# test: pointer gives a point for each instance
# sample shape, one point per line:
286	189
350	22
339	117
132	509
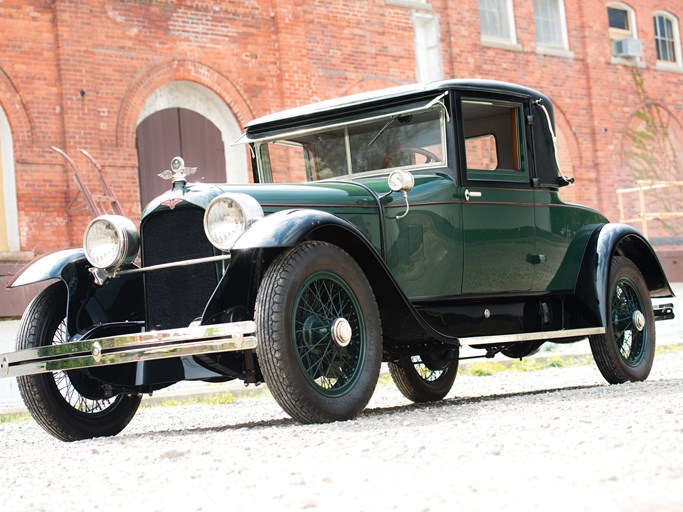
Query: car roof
348	104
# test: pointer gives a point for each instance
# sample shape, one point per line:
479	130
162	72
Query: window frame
499	176
510	18
263	157
564	44
428	58
617	34
678	62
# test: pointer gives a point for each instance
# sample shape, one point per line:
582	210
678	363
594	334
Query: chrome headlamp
111	241
228	216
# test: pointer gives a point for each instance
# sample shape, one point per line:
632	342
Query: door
497	198
178	132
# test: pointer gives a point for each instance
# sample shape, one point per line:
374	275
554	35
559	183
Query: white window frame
563	48
428	59
618	34
665	64
503	42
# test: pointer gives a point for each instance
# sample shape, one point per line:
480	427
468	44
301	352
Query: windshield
405	140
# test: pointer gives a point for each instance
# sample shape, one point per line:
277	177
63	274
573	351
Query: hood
330	196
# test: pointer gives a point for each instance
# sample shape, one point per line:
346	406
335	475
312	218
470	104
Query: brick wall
76	74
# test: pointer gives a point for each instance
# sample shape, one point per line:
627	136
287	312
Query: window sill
16	257
554	51
674	68
409	4
627	61
501	45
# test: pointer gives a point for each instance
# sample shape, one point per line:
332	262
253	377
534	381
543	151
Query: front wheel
69	405
320	339
627	349
425	378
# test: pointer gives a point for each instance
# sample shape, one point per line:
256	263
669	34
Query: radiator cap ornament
178	171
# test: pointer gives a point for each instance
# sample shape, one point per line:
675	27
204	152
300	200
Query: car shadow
372	412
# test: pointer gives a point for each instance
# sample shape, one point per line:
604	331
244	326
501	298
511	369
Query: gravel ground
556	439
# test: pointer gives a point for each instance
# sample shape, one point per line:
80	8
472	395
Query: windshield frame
260	146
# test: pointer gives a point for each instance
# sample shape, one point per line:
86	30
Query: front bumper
186	341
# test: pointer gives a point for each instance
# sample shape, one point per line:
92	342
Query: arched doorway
187	119
178	132
9	228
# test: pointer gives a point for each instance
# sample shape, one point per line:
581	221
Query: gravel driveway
556	439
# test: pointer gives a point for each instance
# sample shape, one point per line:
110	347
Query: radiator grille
176	296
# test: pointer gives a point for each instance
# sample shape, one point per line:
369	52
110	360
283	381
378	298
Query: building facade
134	82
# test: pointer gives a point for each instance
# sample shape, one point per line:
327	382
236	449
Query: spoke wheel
325	305
425	378
626	351
319	333
69	405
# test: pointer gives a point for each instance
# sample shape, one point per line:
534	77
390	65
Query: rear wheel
425	378
320	343
69	405
626	351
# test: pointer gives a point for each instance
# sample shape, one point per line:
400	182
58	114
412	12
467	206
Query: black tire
425	379
306	298
626	351
58	401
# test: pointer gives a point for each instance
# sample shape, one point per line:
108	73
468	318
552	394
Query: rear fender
611	240
88	305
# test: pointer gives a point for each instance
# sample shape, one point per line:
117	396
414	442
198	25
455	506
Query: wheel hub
638	320
341	332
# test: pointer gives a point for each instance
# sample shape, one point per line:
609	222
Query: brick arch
666	145
159	74
15	109
652	149
569	154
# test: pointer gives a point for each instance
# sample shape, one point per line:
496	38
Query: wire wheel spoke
423	371
67	389
324	298
625	303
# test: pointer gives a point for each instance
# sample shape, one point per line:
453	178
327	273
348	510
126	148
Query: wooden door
178	132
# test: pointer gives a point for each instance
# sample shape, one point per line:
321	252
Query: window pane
494	18
407	140
618	18
547	18
481	153
664	39
492	137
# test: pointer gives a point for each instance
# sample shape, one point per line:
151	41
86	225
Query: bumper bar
187	341
664	312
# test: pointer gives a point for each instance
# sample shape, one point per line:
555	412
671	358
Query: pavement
668	332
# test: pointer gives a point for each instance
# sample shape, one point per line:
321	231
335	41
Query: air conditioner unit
627	48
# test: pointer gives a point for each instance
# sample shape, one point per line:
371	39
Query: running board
532	336
187	341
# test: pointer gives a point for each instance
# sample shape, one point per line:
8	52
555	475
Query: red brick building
134	82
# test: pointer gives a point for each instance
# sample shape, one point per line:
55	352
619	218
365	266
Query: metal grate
176	296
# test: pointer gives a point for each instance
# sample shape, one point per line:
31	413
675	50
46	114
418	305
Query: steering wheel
431	157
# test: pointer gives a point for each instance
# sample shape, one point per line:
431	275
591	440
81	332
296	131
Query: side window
494	141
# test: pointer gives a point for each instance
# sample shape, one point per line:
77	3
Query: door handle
469	194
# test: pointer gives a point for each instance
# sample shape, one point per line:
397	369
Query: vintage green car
409	222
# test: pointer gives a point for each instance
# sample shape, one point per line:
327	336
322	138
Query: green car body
441	203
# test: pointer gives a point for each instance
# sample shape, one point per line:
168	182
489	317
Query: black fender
607	241
264	240
88	305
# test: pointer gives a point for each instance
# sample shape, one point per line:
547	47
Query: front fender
260	245
53	265
286	228
611	240
88	305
